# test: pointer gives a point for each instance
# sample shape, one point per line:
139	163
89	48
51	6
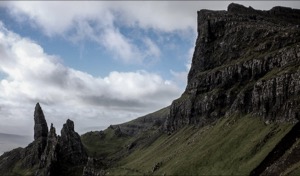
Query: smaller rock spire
40	124
52	131
71	147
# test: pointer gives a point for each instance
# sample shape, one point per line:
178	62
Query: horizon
96	63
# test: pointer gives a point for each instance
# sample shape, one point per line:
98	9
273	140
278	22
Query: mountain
239	114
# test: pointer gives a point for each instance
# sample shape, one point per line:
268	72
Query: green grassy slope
112	144
233	145
103	145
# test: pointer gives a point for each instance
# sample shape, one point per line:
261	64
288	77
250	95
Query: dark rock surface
92	168
49	160
48	154
9	159
71	148
40	124
275	163
245	61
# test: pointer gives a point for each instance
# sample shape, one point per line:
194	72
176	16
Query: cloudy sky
96	62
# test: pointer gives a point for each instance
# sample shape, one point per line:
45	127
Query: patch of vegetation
103	144
233	145
18	170
293	170
118	140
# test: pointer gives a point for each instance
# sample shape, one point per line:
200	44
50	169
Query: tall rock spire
40	124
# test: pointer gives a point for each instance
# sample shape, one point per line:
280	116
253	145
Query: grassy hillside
107	143
233	145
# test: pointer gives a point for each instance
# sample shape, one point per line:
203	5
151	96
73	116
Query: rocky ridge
245	61
48	154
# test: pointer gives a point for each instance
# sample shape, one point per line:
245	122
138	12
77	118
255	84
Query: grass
18	170
107	145
233	145
294	170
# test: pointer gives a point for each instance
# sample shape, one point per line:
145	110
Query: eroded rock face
71	148
245	61
49	160
92	169
9	159
48	154
40	124
31	155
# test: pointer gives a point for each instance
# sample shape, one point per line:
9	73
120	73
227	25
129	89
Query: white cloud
57	17
120	46
34	76
101	22
152	48
181	76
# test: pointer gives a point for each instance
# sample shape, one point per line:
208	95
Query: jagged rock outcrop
28	157
245	61
71	148
49	160
31	155
9	159
48	154
40	124
92	168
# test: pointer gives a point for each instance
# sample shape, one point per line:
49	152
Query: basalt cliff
239	114
245	61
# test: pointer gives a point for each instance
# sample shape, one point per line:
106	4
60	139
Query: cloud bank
31	76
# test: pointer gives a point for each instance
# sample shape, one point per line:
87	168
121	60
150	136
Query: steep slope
231	146
120	140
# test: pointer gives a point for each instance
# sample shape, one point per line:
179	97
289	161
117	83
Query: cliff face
245	61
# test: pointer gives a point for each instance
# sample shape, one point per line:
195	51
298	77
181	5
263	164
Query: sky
96	62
